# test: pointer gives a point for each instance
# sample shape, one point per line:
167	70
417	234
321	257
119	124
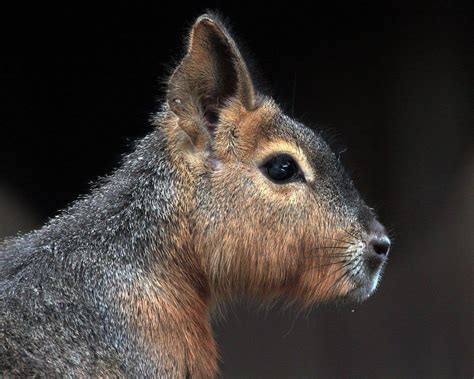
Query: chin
364	285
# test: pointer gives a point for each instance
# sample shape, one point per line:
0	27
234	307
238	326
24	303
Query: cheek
253	239
321	282
251	243
326	274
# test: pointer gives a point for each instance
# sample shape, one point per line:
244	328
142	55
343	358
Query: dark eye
281	169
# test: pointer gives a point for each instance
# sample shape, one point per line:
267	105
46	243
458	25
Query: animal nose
378	242
380	245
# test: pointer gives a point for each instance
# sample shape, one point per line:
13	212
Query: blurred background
390	84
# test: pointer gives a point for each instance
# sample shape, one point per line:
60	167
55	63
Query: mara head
273	214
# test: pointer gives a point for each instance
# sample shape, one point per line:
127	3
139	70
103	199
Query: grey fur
59	284
62	287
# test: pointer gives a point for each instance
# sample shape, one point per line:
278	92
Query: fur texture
123	282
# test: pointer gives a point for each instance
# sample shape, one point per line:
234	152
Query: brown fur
193	219
214	263
231	247
178	321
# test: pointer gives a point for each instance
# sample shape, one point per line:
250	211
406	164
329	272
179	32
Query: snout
375	246
378	245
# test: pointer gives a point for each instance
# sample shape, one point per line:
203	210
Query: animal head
273	212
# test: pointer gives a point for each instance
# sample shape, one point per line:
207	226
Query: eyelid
268	158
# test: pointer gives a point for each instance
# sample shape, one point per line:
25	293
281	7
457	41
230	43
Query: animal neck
169	312
132	239
167	302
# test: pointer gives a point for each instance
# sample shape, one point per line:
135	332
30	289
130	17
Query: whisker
330	255
353	272
360	266
337	240
345	263
340	279
322	253
326	264
331	247
294	96
350	234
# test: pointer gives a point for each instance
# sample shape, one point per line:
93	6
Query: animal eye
281	169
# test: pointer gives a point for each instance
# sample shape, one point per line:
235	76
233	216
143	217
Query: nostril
380	245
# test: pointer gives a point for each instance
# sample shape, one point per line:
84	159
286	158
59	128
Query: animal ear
212	73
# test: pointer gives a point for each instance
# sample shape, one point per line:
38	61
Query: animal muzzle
377	245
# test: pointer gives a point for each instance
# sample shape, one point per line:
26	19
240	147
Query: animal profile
227	197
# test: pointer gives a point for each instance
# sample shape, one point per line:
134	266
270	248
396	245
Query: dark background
391	83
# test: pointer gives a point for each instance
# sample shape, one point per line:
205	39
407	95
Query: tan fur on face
248	235
257	237
238	136
258	241
242	135
245	235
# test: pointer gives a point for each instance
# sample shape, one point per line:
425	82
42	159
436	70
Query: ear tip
211	16
205	18
210	20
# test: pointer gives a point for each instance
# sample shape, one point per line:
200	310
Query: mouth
370	256
367	279
358	272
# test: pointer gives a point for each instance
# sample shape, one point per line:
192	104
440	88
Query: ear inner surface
212	73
